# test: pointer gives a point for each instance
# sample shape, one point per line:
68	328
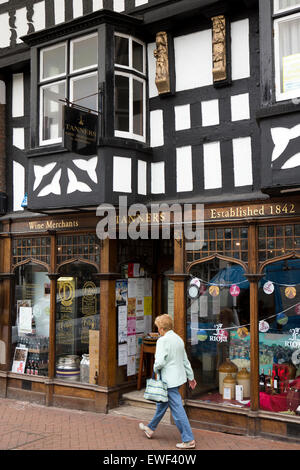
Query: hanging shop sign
80	131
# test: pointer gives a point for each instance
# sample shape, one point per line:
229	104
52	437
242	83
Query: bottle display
276	382
268	387
262	381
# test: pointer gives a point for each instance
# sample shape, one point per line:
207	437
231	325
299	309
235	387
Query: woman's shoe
186	445
146	430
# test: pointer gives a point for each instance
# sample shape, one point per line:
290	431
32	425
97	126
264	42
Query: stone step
134	405
142	414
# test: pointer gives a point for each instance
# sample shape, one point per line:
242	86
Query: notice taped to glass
80	131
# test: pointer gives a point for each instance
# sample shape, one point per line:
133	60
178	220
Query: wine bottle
269	382
262	381
276	382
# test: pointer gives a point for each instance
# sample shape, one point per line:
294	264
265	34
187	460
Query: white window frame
281	96
130	55
67	78
54	77
41	127
130	134
281	10
72	42
80	77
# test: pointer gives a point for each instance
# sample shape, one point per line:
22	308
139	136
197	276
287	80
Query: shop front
243	320
75	310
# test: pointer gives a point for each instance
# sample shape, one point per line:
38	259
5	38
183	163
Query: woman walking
175	369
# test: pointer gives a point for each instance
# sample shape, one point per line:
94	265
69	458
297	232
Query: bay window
287	48
130	88
67	70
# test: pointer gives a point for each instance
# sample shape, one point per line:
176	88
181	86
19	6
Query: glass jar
85	368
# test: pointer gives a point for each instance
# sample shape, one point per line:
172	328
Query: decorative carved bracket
161	53
219	48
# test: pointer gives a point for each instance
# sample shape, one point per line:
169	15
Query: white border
130	134
80	77
54	77
41	127
280	10
130	54
81	38
280	96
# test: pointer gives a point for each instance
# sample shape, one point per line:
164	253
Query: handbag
156	390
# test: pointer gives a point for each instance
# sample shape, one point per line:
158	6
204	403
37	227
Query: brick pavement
26	426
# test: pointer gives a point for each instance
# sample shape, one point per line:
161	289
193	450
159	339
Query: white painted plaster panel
182	117
152	70
242	161
18	186
77	8
158	178
142	177
119	5
97	5
240	52
193	60
184	169
240	108
19	138
138	3
21	23
212	165
122	175
156	128
39	16
5	30
210	113
59	11
18	95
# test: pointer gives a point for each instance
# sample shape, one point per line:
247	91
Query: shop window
35	248
31	315
275	241
77	323
218	332
85	246
279	337
67	70
130	88
287	49
227	241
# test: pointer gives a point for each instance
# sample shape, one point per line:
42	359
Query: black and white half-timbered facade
164	102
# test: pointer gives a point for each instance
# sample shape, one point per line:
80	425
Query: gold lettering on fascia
252	211
52	224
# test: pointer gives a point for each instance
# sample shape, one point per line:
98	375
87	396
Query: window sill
277	109
117	142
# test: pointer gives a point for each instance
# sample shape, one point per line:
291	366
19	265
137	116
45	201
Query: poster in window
19	361
291	72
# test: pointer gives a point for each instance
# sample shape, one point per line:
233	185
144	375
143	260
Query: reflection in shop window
279	337
30	330
77	323
218	333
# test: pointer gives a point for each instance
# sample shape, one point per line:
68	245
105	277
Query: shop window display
279	337
77	323
30	330
218	331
